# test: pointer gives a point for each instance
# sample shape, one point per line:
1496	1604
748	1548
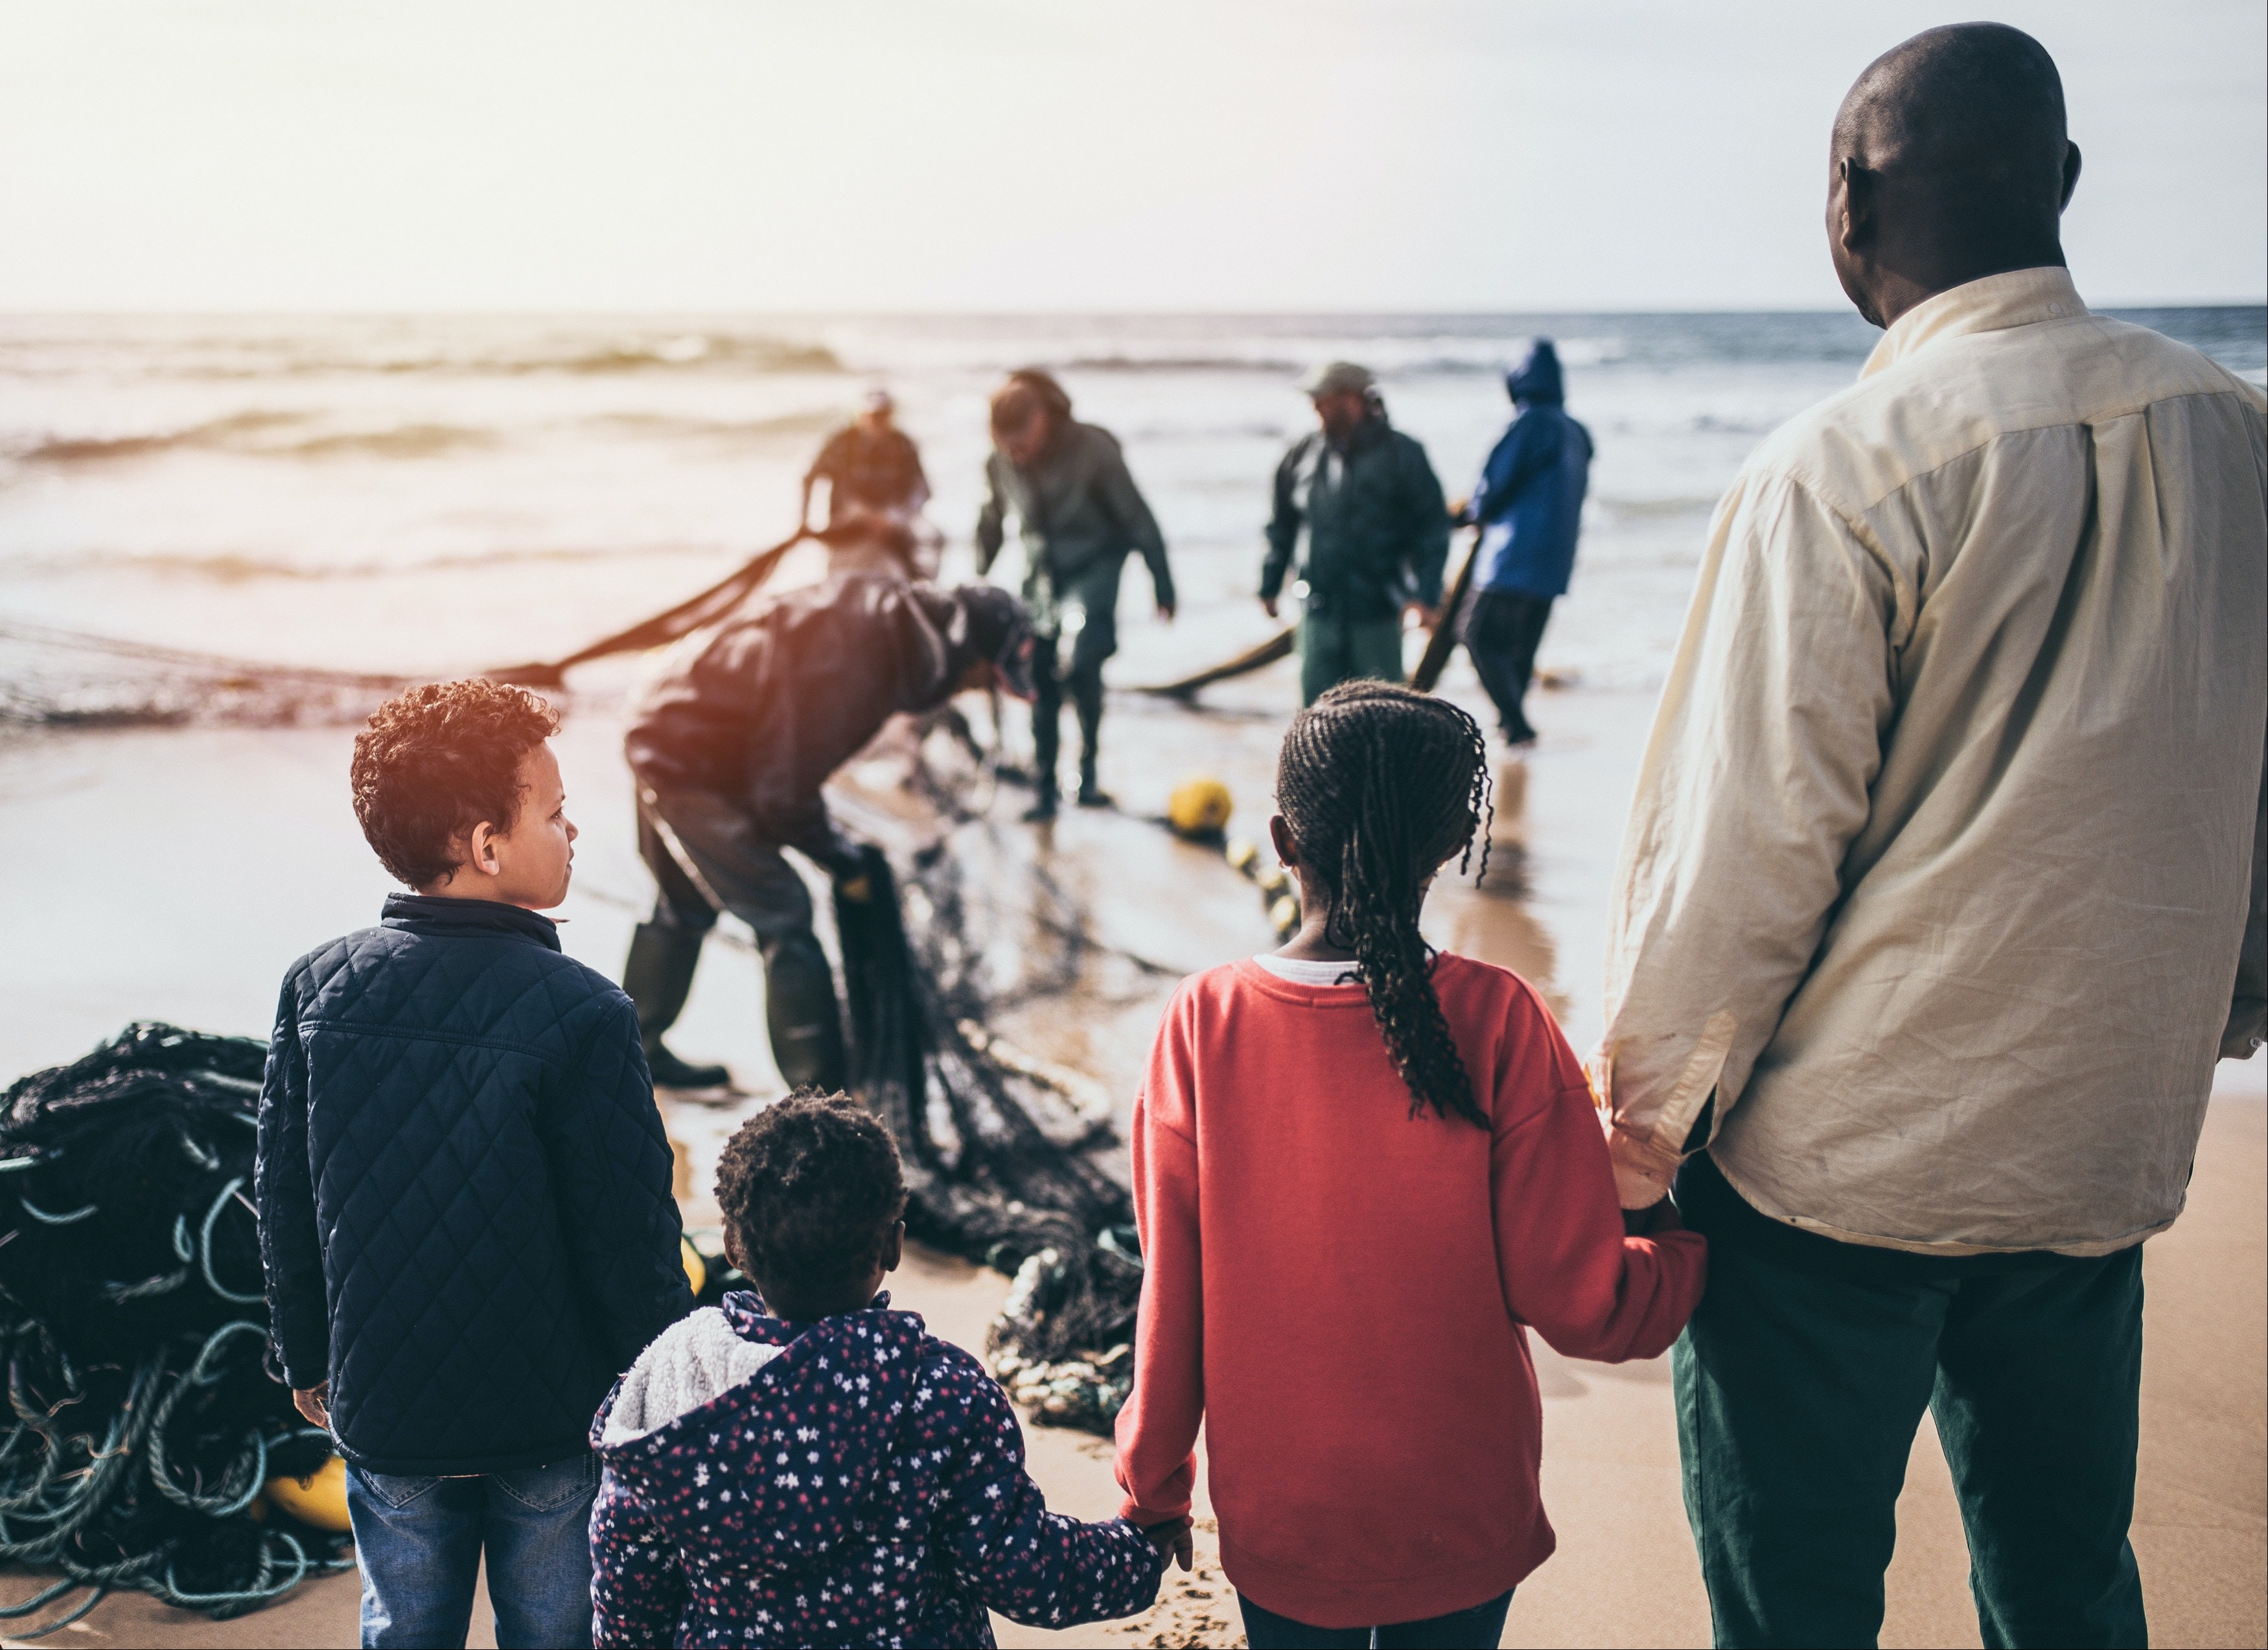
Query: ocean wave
684	351
218	432
1390	358
674	426
671	352
236	568
259	434
404	440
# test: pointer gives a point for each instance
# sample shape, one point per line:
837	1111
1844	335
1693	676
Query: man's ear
893	1247
2070	174
1854	199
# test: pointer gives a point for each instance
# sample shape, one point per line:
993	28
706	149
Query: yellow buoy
1199	806
697	1269
1284	913
1243	854
319	1499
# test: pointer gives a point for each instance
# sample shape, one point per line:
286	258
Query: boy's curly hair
435	761
810	1187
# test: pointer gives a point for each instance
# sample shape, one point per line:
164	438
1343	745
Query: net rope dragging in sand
143	1426
71	679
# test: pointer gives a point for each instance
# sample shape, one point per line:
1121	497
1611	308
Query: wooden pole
1443	639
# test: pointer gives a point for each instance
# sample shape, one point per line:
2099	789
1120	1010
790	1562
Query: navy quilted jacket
865	1486
464	1189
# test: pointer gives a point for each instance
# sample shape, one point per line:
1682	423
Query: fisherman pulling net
143	1426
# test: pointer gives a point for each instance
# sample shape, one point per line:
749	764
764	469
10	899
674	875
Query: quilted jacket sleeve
291	1247
1034	1566
638	1586
610	1159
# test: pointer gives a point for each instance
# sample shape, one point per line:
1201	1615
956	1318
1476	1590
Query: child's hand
314	1402
1172	1541
1660	1217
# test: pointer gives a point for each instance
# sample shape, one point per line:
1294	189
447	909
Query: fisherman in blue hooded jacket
1528	506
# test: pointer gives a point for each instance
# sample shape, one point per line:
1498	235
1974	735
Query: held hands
1172	1541
315	1403
1268	606
1660	1217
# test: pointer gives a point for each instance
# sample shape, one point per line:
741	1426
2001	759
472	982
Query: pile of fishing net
143	1426
993	1147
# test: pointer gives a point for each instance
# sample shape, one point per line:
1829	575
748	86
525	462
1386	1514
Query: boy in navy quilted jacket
827	1472
464	1187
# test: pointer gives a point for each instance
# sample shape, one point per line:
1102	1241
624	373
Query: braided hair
1381	784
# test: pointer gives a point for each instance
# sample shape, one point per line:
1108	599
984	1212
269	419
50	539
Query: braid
1381	784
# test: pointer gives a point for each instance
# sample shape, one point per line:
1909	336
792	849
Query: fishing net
986	1177
65	678
142	1424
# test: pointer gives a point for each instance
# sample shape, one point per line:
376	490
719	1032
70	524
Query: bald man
1943	888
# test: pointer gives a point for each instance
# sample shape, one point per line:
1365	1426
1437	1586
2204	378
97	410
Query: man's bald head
1950	162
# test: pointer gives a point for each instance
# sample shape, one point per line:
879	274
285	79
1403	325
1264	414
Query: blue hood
1536	378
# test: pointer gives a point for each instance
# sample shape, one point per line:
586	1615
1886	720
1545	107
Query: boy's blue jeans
419	1542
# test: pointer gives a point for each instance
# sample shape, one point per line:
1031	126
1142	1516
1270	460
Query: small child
1361	1169
464	1187
829	1473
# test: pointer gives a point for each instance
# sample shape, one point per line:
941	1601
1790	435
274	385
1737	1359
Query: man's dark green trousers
1801	1383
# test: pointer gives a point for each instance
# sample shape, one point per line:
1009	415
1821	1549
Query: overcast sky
1043	154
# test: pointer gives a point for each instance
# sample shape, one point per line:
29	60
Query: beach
398	497
197	921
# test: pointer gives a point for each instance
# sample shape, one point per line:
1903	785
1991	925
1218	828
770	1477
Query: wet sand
175	874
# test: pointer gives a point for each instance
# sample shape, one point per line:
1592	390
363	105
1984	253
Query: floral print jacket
865	1486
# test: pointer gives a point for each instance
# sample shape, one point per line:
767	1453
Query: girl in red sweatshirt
1363	1171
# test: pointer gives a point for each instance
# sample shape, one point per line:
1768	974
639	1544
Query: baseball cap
1338	378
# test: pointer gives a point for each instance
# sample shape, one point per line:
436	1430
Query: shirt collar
2018	297
432	914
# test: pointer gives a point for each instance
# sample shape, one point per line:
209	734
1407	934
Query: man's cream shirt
1942	845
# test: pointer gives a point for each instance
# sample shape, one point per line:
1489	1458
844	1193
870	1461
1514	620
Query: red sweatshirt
1338	1289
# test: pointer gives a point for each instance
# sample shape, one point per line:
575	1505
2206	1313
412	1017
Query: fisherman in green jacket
1077	513
1377	531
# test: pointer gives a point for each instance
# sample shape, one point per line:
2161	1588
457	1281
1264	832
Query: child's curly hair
435	761
810	1187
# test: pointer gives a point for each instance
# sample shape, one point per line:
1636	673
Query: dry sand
175	875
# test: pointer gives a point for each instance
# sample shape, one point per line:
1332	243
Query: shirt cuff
1642	1170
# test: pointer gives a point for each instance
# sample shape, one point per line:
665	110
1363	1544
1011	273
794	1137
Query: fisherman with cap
730	747
1078	514
1377	533
875	491
1528	506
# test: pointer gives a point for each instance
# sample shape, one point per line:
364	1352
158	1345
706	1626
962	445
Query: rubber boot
802	1015
658	976
1087	698
1047	709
